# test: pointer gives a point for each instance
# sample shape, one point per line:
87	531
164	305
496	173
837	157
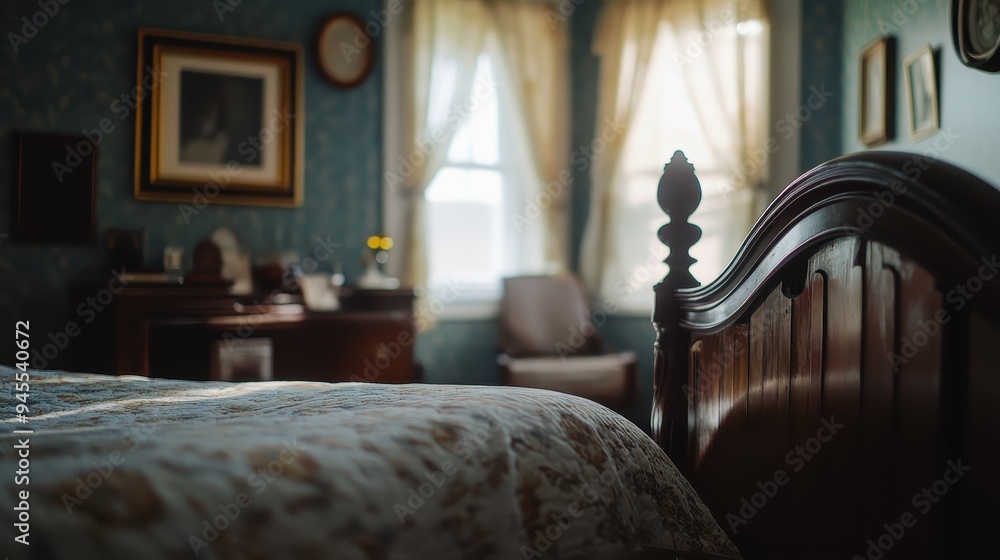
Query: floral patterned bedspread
138	468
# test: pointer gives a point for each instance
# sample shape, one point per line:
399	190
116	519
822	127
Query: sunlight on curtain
705	94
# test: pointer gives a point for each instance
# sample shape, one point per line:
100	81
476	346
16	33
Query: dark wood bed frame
835	393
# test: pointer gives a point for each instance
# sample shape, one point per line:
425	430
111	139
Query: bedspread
131	467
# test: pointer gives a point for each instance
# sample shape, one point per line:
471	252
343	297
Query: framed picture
922	93
54	179
877	92
345	53
218	120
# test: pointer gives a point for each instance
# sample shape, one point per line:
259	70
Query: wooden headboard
835	393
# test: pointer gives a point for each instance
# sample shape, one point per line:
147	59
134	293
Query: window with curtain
471	240
703	91
476	127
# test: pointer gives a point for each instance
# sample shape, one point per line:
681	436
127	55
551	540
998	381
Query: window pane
464	220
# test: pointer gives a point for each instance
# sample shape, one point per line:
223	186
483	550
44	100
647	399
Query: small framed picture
877	92
345	54
219	117
922	93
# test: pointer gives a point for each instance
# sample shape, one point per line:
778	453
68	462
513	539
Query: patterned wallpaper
67	77
969	121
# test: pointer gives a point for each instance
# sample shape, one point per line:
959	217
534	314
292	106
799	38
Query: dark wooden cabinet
169	331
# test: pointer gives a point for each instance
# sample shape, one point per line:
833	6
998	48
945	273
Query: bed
833	393
828	396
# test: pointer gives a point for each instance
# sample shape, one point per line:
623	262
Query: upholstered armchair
549	340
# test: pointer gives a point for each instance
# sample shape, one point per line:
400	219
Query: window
672	113
471	239
461	180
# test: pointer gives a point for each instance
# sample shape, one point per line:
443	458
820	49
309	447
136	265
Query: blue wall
822	55
66	79
967	96
584	70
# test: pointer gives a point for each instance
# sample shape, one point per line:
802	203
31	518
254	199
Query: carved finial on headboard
679	195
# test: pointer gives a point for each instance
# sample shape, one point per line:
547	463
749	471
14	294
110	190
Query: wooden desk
168	331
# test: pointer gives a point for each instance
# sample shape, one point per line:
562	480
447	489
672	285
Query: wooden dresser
169	331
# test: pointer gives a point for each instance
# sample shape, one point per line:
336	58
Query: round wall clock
346	53
975	26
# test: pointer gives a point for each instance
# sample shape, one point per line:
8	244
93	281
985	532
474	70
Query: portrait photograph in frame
219	116
877	92
922	93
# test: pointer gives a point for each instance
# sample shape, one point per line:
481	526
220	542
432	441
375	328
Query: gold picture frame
218	120
876	93
922	93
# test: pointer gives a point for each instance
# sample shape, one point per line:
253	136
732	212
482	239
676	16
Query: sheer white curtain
702	90
726	80
536	55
